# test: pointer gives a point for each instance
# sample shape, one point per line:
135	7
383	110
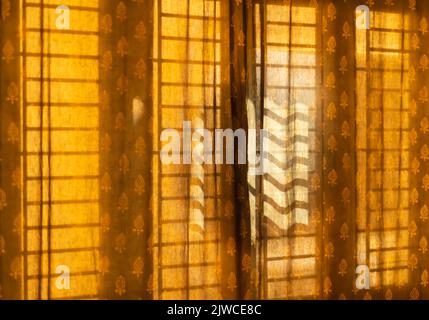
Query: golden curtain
10	186
82	184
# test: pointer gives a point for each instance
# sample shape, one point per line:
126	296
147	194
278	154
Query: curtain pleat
237	275
126	77
338	185
10	170
418	178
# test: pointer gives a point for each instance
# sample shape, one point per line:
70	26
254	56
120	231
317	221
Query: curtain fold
10	169
240	272
338	148
126	76
417	118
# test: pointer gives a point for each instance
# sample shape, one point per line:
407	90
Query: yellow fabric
60	149
82	184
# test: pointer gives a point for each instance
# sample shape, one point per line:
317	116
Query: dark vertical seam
251	82
260	178
243	175
383	151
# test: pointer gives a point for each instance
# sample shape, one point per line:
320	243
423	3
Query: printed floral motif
120	285
121	12
332	11
138	225
138	267
106	24
139	185
8	52
12	93
140	33
15	268
123	202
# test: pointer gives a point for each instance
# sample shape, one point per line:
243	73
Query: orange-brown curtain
171	231
126	140
342	104
83	187
10	181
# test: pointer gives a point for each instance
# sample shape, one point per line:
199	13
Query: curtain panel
10	168
90	210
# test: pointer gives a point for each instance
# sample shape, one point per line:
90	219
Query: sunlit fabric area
89	209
